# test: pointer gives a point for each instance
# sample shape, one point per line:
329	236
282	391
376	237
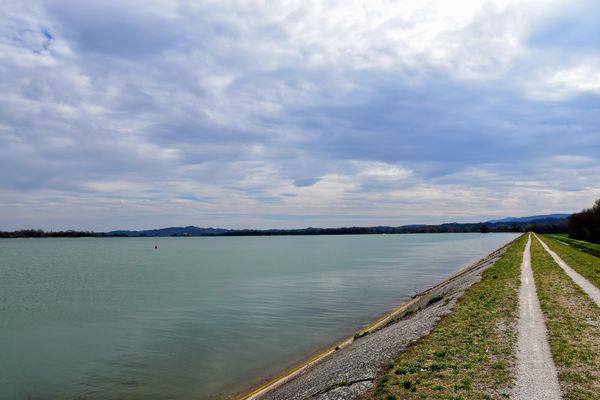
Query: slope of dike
351	368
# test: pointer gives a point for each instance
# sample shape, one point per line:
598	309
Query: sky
284	114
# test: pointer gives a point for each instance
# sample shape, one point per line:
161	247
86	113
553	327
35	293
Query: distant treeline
585	225
38	233
550	225
547	225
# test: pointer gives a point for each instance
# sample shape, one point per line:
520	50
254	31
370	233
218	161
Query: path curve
536	373
583	283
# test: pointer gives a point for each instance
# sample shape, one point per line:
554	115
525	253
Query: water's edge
414	305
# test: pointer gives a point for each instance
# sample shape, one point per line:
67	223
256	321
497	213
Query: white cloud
564	83
381	171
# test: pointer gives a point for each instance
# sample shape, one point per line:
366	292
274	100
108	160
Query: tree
585	225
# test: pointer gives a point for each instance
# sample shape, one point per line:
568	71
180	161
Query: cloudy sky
140	114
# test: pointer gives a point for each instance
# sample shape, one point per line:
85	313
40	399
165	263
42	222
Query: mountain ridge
529	219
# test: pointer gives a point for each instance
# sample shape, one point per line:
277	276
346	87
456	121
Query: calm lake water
198	318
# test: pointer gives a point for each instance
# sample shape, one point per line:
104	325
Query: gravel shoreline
350	371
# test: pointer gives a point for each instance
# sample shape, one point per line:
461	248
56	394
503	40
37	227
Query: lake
201	317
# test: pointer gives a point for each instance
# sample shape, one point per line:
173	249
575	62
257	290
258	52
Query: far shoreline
253	235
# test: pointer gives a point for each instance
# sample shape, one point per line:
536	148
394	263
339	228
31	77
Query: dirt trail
583	283
536	373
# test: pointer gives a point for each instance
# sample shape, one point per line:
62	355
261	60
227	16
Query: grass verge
471	353
586	247
573	324
586	264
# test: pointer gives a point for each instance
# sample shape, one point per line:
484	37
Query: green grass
586	247
586	264
573	324
471	353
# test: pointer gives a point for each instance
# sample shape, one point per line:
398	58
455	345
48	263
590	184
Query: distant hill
550	223
530	219
504	224
173	231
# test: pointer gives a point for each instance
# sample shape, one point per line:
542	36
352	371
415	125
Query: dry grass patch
573	324
471	353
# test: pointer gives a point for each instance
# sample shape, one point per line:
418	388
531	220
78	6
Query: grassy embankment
586	247
581	261
472	352
572	322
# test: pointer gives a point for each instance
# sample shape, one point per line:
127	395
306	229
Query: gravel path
536	373
583	283
352	370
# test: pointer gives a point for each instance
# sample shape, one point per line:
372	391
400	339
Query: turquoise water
198	318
